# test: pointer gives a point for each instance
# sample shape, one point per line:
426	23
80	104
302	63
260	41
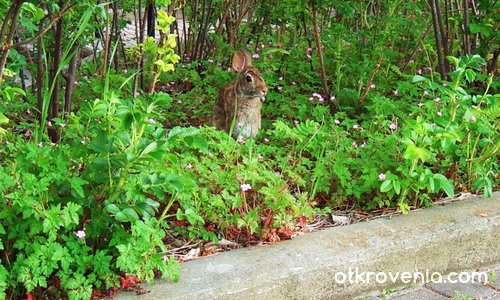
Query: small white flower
437	100
189	166
266	140
426	93
255	55
355	126
245	187
296	121
281	78
336	121
80	234
40	145
372	86
439	113
332	98
395	92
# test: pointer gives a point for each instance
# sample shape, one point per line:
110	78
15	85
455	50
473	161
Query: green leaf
3	119
445	184
386	186
419	78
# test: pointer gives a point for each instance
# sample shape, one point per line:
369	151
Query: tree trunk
12	15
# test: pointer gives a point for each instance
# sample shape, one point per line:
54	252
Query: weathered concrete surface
462	235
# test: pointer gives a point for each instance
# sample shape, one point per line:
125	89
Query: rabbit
241	100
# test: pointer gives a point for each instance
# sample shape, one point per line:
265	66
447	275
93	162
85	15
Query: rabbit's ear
241	59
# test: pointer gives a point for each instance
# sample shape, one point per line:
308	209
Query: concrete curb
463	235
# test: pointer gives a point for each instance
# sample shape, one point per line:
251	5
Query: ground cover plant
108	160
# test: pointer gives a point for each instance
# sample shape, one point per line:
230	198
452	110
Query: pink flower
355	126
393	126
419	72
296	121
271	56
255	55
49	123
308	56
336	121
437	100
372	86
189	166
266	140
80	234
381	176
395	92
309	49
245	187
420	104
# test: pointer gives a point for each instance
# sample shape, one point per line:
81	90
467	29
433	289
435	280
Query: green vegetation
106	151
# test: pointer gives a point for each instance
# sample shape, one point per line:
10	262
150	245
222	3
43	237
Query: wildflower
210	60
420	105
381	176
266	140
280	88
281	78
309	49
439	113
294	83
437	100
363	145
152	121
395	92
179	101
80	234
426	93
355	126
419	72
245	187
255	55
62	125
311	98
189	166
355	145
296	121
473	119
411	61
308	56
336	121
372	86
28	111
229	69
40	145
393	126
332	98
271	56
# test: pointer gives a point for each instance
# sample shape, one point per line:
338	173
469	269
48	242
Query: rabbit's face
251	84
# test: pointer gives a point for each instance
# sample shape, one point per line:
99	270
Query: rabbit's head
250	83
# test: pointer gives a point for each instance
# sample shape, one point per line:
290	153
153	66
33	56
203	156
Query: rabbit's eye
249	78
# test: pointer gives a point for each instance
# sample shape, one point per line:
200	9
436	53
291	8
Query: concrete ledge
459	236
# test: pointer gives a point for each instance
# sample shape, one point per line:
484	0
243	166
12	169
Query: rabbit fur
241	100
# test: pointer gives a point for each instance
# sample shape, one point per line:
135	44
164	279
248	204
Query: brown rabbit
241	98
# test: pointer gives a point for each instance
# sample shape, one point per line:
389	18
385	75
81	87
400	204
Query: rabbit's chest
248	117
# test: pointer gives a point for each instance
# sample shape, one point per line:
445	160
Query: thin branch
42	31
